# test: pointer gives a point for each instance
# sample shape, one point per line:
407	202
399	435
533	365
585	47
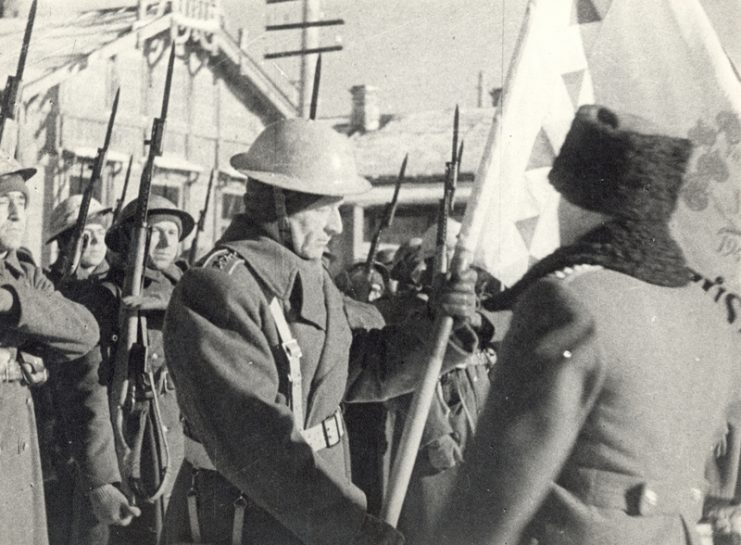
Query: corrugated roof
427	137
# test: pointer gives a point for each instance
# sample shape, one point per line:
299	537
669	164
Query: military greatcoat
610	394
224	351
85	406
45	324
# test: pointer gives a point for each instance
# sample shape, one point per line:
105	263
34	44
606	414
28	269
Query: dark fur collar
643	250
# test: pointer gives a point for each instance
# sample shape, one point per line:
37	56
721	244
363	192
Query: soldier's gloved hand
143	303
726	523
376	532
456	296
110	506
444	452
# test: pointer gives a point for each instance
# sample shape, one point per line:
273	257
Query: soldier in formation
104	501
40	327
259	343
617	372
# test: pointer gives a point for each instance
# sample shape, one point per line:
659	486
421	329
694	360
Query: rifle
78	243
120	202
13	84
134	391
446	204
388	218
201	220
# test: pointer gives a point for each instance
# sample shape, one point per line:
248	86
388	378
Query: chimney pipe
366	112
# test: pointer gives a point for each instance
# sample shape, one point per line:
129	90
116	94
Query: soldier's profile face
313	227
95	250
164	244
13	218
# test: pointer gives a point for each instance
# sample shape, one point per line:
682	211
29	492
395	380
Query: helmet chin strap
284	229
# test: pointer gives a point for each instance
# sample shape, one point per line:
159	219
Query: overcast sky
421	54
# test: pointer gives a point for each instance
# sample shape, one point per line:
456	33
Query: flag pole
473	223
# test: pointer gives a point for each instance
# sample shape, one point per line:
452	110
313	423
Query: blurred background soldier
454	414
87	408
93	259
614	379
37	322
57	462
357	283
260	344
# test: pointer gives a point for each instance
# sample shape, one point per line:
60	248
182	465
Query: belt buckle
292	349
332	430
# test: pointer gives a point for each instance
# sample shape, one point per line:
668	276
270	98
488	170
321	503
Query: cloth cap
620	165
64	216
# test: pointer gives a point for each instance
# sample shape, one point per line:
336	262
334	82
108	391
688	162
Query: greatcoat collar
285	274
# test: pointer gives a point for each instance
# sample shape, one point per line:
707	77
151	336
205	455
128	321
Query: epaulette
223	259
569	273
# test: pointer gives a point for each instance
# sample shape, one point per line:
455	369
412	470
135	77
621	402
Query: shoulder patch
569	273
223	259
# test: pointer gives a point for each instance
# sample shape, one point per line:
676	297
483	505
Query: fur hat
620	165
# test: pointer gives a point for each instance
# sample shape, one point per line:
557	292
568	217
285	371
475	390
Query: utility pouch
33	369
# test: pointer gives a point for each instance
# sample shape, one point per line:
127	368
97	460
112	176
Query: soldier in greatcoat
86	406
57	462
260	347
39	326
617	371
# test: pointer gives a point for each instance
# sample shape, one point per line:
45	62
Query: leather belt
325	434
635	495
10	369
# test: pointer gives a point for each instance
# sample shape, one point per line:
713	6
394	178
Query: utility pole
311	11
480	92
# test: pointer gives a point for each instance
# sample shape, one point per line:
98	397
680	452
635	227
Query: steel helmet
64	216
157	205
9	166
304	156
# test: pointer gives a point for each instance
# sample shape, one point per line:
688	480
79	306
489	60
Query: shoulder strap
292	351
228	260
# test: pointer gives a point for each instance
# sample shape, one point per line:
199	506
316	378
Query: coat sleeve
83	404
550	374
82	388
227	384
389	362
47	323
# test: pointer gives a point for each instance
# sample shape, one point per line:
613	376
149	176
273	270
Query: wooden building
380	142
221	99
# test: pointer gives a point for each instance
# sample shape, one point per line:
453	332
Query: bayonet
73	254
12	86
446	204
120	202
201	220
388	217
315	88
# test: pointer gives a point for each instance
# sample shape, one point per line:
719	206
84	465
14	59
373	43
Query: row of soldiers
614	379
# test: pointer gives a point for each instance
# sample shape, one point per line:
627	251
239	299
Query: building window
231	203
171	192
